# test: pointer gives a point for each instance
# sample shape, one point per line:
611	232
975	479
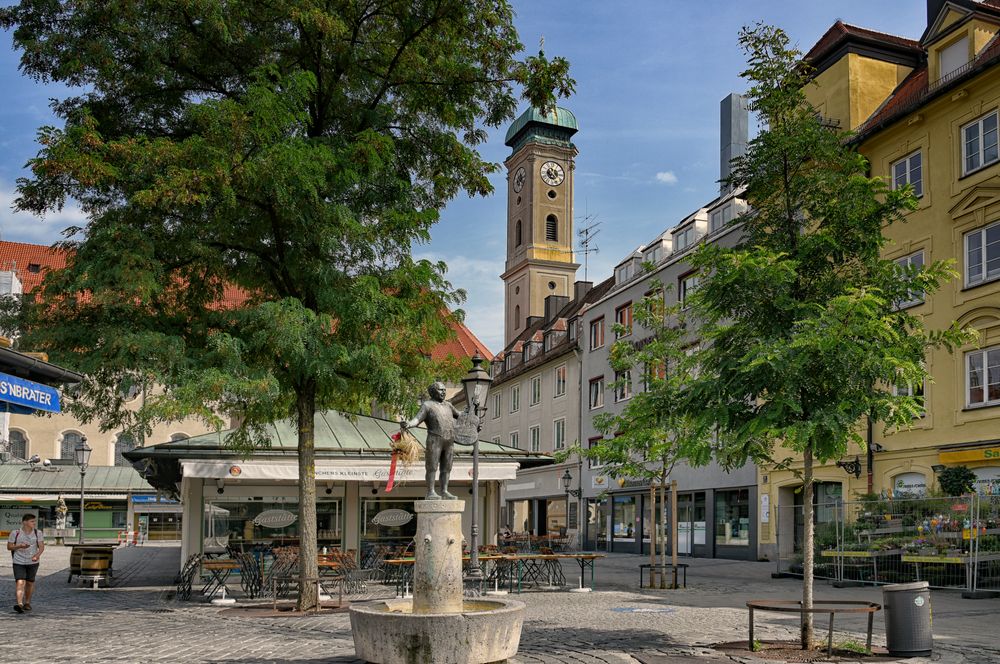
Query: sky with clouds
650	75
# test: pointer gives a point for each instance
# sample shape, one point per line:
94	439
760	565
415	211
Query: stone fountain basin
388	632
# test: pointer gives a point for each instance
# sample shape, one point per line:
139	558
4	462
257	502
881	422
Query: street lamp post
567	481
82	451
477	385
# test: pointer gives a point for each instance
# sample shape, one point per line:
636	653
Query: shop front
537	504
235	502
983	459
36	489
710	523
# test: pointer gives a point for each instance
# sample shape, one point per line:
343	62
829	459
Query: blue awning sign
28	394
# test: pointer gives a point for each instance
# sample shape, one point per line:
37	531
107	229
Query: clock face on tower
552	174
519	177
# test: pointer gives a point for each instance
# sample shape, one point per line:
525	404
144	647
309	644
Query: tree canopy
255	176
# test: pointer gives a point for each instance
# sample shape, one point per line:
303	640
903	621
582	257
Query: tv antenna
587	234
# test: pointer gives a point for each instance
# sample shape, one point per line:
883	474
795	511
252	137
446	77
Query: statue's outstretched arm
419	419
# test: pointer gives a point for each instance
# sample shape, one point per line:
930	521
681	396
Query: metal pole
83	473
474	570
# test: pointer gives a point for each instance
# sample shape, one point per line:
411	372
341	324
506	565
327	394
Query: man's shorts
25	572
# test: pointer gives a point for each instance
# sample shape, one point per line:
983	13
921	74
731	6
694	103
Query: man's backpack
17	533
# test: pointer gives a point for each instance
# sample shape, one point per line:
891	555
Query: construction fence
950	542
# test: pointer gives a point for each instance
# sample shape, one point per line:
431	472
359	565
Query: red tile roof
31	261
840	32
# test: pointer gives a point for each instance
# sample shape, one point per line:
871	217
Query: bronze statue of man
440	417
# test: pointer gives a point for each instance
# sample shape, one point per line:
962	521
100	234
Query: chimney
734	135
580	289
532	320
553	304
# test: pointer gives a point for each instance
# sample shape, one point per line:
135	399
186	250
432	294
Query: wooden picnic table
219	570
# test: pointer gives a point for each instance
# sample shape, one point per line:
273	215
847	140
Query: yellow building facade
925	113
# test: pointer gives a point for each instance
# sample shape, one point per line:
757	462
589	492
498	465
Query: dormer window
34	268
624	272
654	255
683	238
953	57
720	217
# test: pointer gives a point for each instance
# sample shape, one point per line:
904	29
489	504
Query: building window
715	221
683	239
559	433
551	228
982	255
513	439
720	218
732	517
596	392
515	398
591	444
910	390
983	377
979	143
653	372
654	255
535	436
686	287
496	406
909	171
496	440
517	316
624	272
124	442
560	386
913	261
952	58
67	448
623	317
18	444
597	333
623	385
517	233
536	391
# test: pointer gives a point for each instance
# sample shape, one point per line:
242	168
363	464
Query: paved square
137	620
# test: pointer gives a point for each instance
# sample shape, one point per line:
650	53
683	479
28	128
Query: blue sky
650	75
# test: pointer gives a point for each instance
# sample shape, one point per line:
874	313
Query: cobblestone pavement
137	620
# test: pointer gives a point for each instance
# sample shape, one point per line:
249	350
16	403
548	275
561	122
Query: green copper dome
558	125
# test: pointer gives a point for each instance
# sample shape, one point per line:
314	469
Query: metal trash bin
908	619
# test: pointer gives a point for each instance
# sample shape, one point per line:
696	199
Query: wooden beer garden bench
830	607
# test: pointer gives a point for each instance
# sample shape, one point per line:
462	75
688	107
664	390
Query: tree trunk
808	531
673	533
652	535
308	569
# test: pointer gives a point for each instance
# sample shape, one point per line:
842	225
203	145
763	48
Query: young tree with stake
804	338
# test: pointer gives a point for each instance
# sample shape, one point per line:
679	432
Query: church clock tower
539	215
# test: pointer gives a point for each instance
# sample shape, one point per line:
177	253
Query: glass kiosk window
234	522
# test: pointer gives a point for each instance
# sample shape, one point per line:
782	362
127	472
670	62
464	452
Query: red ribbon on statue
392	464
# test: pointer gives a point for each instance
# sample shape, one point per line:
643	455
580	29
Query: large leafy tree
655	430
803	334
255	175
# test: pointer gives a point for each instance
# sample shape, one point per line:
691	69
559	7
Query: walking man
26	546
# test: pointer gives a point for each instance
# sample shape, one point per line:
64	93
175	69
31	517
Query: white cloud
24	227
666	177
484	308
